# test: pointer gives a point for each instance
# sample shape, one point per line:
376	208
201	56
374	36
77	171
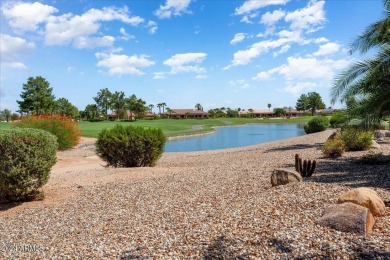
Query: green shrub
27	156
338	119
64	128
130	146
356	139
333	148
316	124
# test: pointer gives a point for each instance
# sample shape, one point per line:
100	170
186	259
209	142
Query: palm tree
250	112
198	106
370	78
269	106
163	106
170	111
151	106
159	105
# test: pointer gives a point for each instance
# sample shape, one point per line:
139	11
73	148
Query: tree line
37	98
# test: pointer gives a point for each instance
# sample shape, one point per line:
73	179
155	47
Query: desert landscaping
214	204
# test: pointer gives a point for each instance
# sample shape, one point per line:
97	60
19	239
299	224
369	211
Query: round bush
316	124
333	147
356	139
64	128
338	120
27	158
130	146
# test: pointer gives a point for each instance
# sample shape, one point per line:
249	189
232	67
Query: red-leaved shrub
64	128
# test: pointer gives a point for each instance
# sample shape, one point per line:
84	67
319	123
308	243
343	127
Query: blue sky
220	53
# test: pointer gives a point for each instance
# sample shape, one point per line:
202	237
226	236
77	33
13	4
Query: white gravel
201	205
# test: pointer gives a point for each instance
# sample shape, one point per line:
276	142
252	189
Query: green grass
4	125
175	127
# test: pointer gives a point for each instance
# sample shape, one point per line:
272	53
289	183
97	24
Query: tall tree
131	103
64	107
302	103
369	79
91	111
159	105
163	106
140	108
118	102
198	106
103	101
6	114
314	102
37	96
151	106
269	106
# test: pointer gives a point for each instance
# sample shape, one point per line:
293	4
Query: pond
236	136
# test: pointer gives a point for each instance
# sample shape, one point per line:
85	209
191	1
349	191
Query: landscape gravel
199	205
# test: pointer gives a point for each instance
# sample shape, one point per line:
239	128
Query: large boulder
348	217
283	176
365	197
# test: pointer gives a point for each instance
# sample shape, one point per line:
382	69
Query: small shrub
338	119
356	139
334	147
27	158
130	146
316	124
64	128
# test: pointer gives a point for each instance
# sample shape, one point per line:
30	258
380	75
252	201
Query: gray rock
375	145
283	176
348	217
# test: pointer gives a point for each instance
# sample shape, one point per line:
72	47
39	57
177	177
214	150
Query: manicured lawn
174	127
4	125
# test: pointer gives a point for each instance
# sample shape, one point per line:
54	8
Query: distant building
186	113
129	115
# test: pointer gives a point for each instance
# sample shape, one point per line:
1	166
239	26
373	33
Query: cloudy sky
220	53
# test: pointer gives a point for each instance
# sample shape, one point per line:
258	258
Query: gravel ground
199	205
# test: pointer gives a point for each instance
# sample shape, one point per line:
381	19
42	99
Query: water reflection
236	136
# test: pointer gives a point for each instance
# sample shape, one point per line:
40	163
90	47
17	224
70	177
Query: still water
236	136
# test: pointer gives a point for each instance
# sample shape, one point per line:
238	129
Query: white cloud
282	50
15	65
321	40
172	7
11	48
93	42
245	19
238	37
311	68
201	76
327	48
304	20
303	73
152	26
240	83
270	19
79	29
125	36
264	75
299	88
243	57
27	16
186	62
253	5
307	18
122	64
159	75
